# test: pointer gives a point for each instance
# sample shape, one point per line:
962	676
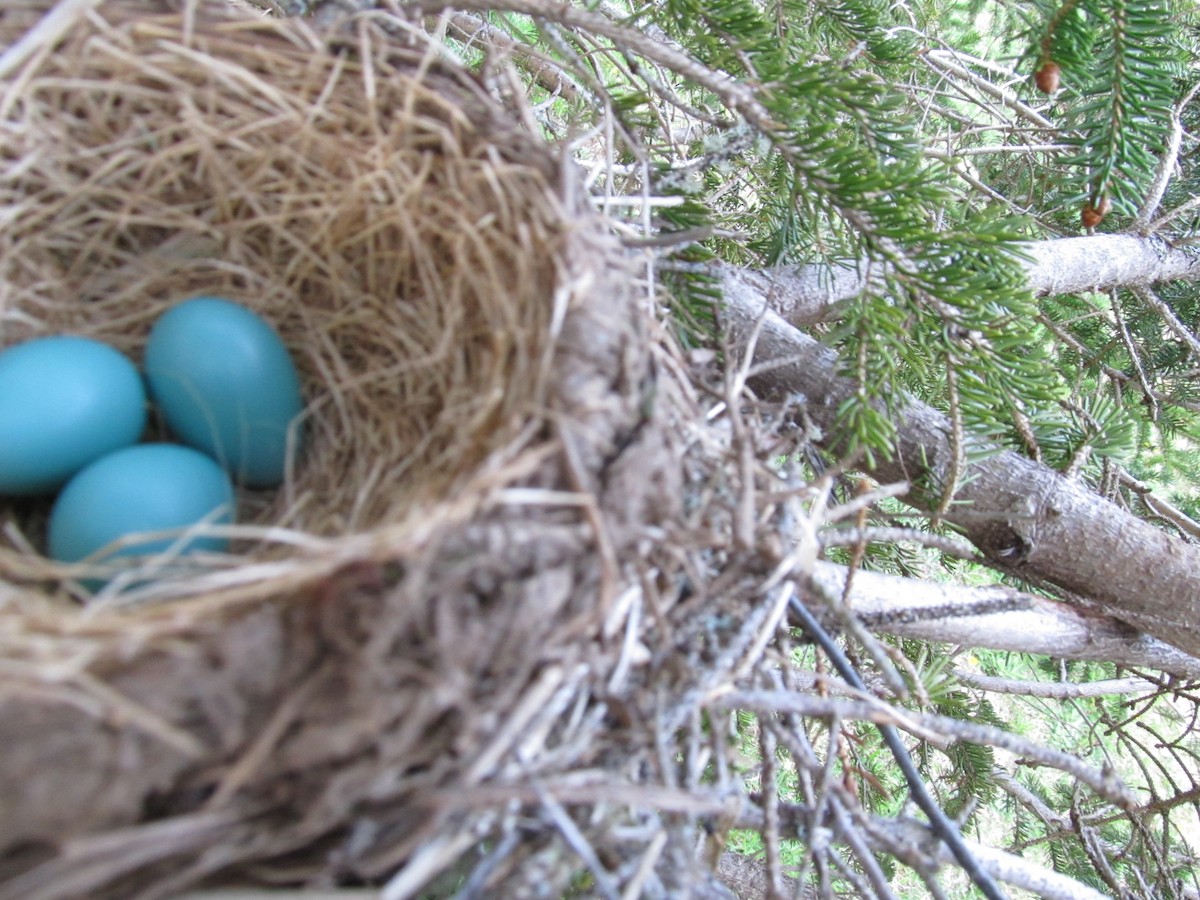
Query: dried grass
407	259
425	601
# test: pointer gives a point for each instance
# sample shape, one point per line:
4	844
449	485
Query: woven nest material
396	618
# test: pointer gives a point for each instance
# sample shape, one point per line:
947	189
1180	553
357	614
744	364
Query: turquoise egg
64	402
225	384
143	488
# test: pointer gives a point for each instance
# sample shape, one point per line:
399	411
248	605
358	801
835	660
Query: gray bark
886	834
998	618
1023	517
805	295
1020	873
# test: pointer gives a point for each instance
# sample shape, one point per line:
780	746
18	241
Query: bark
1103	261
1025	874
805	295
1057	690
747	877
1022	516
886	835
998	618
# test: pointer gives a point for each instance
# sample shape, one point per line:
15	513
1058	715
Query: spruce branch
940	729
999	618
1127	109
807	295
1056	690
952	64
1017	512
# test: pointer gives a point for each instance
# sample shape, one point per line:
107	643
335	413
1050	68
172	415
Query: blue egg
64	402
143	488
226	385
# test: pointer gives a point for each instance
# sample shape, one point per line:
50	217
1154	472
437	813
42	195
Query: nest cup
478	447
407	249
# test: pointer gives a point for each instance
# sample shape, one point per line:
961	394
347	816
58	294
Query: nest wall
480	457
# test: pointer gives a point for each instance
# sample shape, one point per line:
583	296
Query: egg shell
64	402
143	488
225	384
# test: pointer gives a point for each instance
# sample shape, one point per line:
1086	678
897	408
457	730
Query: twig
1172	321
1166	167
947	62
1168	217
865	499
849	537
770	807
604	882
942	825
544	70
734	94
1055	690
935	728
1158	505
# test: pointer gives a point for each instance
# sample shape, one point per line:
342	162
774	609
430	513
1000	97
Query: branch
805	295
937	729
947	62
998	618
1056	690
1024	517
1101	262
544	72
1007	867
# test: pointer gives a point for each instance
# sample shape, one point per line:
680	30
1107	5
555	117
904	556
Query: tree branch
936	728
1024	517
998	618
949	62
1056	690
806	295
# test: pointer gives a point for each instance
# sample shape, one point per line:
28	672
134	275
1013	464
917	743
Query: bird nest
485	446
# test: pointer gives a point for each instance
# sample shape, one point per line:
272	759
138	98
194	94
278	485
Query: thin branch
942	825
958	168
1135	357
1166	167
1170	216
1156	303
1055	690
946	729
1011	148
1000	618
947	62
849	537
